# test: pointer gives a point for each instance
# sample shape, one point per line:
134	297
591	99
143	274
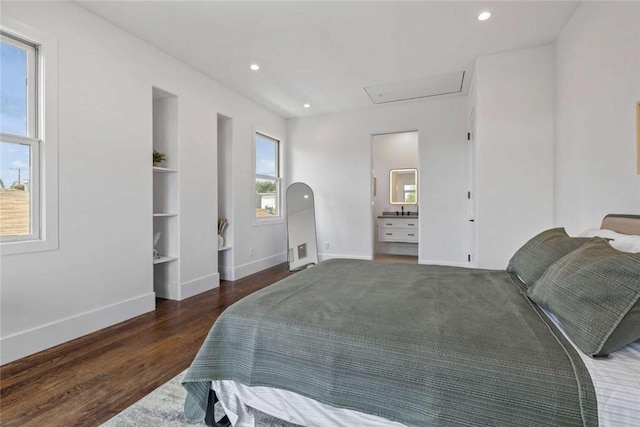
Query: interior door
471	190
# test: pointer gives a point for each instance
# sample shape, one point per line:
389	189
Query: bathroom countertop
412	216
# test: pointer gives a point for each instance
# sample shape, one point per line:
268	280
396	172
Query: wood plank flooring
88	380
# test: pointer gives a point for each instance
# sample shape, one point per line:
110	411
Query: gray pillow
531	260
595	293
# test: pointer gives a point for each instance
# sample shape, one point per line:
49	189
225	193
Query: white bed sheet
616	381
237	400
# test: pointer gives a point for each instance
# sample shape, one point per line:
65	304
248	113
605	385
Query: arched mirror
302	248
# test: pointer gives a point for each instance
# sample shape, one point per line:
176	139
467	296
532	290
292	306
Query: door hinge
468	136
469	257
469	195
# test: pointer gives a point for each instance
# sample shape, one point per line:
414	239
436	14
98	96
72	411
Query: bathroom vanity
402	229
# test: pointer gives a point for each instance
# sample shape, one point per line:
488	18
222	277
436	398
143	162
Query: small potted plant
158	158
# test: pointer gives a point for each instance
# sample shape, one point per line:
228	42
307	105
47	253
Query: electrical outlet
250	252
327	245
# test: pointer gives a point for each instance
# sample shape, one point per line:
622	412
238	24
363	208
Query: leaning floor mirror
302	248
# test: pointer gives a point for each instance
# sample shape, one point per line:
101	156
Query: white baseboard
31	341
197	286
262	264
324	257
188	289
446	263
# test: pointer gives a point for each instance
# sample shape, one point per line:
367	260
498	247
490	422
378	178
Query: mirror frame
415	182
313	260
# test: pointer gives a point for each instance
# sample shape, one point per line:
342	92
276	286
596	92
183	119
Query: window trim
280	217
45	120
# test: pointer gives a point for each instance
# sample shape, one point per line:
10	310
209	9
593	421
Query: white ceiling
325	53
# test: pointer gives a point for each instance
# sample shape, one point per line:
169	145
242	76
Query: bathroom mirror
302	248
403	186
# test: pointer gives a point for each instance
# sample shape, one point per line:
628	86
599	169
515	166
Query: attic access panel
443	84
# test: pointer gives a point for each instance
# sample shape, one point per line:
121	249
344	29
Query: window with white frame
409	193
19	141
267	177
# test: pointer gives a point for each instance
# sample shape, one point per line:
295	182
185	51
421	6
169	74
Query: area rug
163	408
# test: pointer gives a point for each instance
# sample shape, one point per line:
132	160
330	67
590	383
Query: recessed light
484	16
255	67
307	105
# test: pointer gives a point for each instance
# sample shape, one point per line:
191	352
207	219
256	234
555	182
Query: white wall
514	113
392	151
333	155
102	272
597	85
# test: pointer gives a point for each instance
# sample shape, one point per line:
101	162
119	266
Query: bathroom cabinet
402	229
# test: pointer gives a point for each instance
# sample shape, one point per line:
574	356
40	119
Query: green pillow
531	260
595	293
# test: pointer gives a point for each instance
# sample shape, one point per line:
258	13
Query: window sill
269	221
27	246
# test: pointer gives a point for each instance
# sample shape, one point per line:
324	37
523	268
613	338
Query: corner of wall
198	286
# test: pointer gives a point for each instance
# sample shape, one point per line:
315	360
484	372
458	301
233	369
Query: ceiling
325	53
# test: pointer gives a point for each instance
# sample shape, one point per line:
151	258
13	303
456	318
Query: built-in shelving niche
225	193
166	195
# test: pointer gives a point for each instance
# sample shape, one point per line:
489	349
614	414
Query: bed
348	344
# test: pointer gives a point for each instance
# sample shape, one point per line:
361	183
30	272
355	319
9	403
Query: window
267	177
19	141
409	191
28	141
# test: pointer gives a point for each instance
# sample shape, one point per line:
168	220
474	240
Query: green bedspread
420	345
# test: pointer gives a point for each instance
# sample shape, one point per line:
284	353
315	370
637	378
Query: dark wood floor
88	380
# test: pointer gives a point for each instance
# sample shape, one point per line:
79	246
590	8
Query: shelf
164	259
164	170
224	248
165	193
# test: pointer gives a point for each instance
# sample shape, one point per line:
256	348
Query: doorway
395	196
